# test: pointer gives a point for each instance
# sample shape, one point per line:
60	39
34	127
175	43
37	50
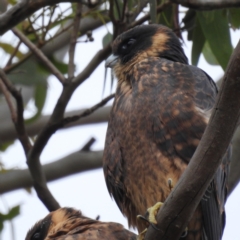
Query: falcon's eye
130	42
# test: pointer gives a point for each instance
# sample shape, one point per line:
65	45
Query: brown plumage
161	108
70	224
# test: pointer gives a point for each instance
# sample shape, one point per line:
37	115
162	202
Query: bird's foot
185	233
152	211
142	234
150	218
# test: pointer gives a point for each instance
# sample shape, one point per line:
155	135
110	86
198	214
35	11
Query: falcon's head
142	42
54	224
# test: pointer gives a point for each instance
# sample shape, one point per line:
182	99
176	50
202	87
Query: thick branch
234	175
207	5
24	9
8	132
186	195
74	163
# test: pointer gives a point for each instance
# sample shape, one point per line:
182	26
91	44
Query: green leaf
9	48
234	17
28	73
39	100
198	39
107	39
61	66
12	2
216	31
208	55
13	212
189	21
166	17
5	145
153	11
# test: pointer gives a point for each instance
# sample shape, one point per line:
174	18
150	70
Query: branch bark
207	5
186	195
76	162
8	132
40	55
24	9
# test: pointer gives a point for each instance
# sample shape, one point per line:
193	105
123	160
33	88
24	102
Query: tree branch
76	162
8	132
87	112
207	5
186	195
234	175
19	120
146	17
8	98
40	55
24	9
74	36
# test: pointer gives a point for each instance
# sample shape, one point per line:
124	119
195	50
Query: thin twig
19	123
73	41
7	96
87	111
40	55
88	145
123	10
13	54
160	8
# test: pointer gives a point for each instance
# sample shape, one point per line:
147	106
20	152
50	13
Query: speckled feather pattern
70	224
160	112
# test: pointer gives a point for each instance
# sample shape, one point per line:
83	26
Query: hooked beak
111	61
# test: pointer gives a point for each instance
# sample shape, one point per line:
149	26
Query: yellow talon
153	212
142	234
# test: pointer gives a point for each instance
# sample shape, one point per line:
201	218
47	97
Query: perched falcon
70	224
161	109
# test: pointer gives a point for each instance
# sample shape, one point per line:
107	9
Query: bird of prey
161	109
70	224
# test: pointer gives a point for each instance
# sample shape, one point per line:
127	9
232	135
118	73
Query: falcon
161	109
70	224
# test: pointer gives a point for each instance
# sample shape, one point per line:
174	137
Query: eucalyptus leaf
216	31
107	39
198	39
234	17
13	212
10	49
166	17
28	73
39	100
208	55
189	21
